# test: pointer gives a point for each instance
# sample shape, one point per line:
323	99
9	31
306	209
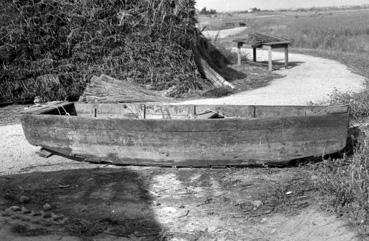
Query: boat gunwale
43	111
45	116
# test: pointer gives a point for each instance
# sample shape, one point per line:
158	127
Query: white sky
239	5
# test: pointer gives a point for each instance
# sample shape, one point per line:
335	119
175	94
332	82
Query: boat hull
188	142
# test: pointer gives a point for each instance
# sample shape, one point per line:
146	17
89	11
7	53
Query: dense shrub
52	48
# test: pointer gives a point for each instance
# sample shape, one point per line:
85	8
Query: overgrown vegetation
51	48
345	182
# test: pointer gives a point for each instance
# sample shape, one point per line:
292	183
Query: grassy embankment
342	36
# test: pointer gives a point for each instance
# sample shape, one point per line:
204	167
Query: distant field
342	30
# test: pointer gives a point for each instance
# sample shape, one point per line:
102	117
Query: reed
52	48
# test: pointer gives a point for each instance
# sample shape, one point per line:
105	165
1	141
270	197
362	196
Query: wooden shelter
258	40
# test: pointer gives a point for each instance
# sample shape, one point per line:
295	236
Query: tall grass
335	32
339	31
345	182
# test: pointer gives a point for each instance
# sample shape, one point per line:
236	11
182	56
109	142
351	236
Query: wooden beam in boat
44	153
170	111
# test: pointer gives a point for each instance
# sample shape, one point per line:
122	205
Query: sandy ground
309	79
18	156
212	34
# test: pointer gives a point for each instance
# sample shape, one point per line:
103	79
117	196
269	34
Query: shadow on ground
277	64
165	204
82	203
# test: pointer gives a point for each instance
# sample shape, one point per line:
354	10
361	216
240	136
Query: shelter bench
269	46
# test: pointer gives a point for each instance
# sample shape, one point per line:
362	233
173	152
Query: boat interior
156	110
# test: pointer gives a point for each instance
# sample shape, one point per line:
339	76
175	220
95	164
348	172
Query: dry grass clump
52	48
358	102
345	181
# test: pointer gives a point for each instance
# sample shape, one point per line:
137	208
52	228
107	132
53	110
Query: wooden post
270	63
239	45
286	56
144	111
254	53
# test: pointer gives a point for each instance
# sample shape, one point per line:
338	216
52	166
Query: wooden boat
186	135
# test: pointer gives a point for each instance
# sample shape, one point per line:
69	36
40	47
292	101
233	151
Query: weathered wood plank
270	59
177	139
44	153
160	111
192	125
235	155
286	56
276	111
277	44
239	53
216	79
106	110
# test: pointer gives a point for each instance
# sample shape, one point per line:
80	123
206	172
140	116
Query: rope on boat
58	110
65	111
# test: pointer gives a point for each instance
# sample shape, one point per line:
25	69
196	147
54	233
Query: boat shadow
113	202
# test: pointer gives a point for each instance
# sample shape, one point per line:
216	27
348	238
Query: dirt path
309	79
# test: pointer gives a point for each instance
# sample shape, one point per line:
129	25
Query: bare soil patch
166	204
